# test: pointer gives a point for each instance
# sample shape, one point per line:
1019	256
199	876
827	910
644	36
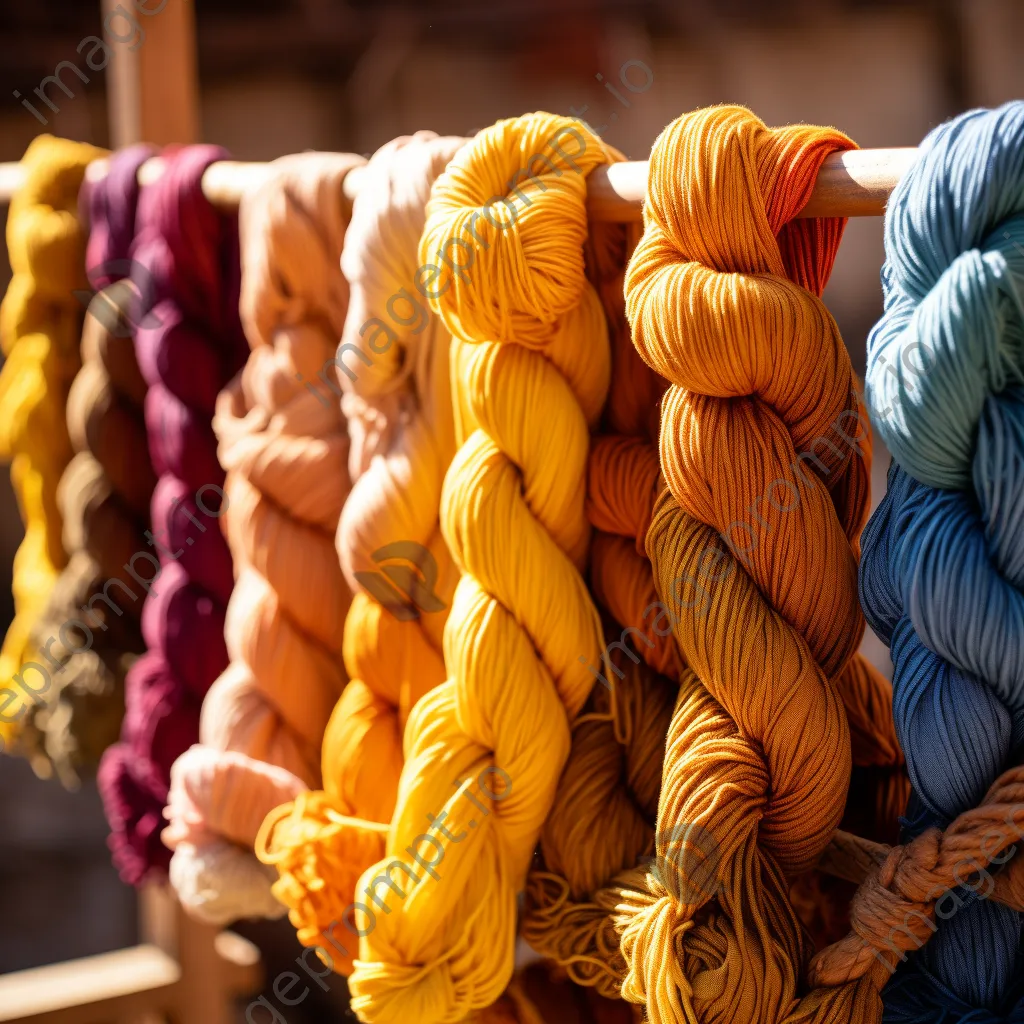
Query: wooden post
152	84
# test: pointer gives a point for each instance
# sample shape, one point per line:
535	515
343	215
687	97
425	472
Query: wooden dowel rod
11	177
857	183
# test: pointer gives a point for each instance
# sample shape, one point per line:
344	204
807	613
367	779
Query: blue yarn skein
942	569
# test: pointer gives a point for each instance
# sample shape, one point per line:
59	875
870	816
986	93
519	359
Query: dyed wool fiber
194	345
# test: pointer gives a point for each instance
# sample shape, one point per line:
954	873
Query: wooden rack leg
182	973
152	84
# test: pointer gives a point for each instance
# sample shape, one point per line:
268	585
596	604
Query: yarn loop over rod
723	294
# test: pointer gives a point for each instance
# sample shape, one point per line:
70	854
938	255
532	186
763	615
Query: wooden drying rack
185	972
855	183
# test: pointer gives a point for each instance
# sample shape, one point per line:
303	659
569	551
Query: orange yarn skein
484	751
285	449
603	817
397	398
756	542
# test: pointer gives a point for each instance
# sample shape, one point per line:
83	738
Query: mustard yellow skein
40	328
506	225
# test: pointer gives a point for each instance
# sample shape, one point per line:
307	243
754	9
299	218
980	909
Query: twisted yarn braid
285	450
398	403
722	294
187	252
104	499
40	328
942	580
531	367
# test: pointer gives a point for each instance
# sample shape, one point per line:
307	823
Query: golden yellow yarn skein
40	327
506	226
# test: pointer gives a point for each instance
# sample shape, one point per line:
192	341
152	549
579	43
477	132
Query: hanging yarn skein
104	498
755	542
623	470
397	399
285	449
942	580
506	226
40	324
188	346
602	820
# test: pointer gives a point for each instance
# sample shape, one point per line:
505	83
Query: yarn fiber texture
397	401
723	295
40	328
103	497
285	450
530	370
942	580
186	255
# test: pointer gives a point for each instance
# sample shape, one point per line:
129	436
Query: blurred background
281	76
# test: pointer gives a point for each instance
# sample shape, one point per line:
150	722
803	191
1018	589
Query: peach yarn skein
397	397
284	447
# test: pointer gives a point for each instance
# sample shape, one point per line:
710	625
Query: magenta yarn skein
189	344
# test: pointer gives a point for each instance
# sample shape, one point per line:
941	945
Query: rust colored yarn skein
602	821
722	294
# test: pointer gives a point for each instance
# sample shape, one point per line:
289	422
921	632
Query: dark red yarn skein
189	344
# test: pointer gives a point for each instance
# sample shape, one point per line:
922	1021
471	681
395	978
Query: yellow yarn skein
40	327
506	226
